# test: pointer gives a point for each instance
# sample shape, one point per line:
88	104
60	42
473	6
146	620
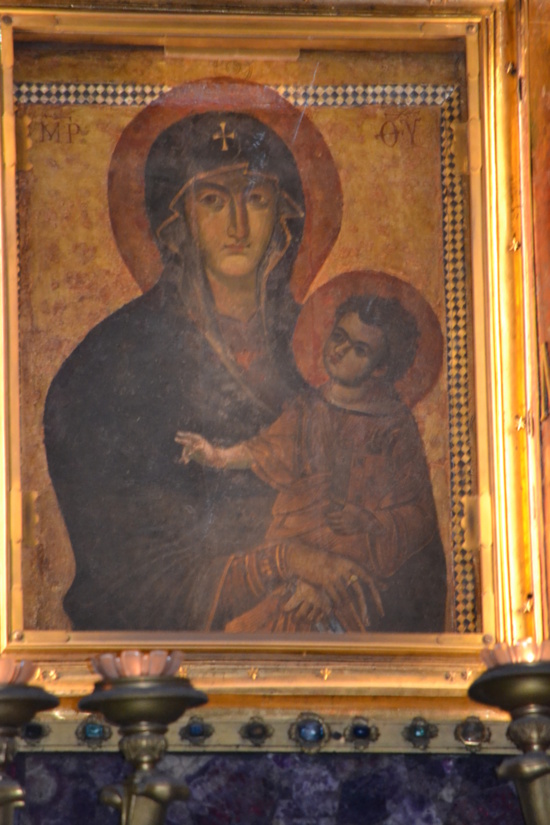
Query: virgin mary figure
242	224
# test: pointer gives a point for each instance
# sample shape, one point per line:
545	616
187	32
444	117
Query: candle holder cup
523	690
19	703
142	707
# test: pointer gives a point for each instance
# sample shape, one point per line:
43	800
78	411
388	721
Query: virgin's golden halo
318	173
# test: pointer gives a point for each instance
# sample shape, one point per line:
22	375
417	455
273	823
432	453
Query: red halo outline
320	179
317	318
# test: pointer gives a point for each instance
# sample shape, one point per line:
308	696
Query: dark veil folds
189	152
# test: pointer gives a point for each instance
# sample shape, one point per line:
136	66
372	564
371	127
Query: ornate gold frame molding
499	519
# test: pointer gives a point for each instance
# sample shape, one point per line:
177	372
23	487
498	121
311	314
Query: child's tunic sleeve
273	451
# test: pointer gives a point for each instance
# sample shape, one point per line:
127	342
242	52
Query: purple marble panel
281	789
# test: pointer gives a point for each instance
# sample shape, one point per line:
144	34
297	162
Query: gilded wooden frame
499	519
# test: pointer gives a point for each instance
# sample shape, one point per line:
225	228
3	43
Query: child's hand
196	448
352	520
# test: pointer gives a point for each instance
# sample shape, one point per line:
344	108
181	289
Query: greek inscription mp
58	130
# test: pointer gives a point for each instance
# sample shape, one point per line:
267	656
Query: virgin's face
232	217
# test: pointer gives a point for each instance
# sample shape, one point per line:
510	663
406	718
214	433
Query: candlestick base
18	704
143	707
523	690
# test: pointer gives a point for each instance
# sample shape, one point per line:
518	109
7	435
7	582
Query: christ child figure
354	534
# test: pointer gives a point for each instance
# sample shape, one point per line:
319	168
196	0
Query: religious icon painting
226	203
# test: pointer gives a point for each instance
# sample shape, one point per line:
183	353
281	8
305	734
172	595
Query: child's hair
397	323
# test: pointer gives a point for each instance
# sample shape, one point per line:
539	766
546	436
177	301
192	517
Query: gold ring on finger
352	579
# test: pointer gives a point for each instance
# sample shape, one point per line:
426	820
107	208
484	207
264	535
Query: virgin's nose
239	227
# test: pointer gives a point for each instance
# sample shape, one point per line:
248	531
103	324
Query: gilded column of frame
10	497
505	334
532	418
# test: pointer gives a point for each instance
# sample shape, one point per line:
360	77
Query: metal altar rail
234	730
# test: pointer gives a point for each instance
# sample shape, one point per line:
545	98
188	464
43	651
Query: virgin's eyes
212	201
259	199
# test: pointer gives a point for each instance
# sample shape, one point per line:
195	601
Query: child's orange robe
321	457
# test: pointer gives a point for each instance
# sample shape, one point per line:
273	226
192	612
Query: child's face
353	350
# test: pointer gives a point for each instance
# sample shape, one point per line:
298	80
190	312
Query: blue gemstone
195	729
360	731
420	731
311	731
33	731
94	730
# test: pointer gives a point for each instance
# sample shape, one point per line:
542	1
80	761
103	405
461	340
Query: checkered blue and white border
116	94
447	98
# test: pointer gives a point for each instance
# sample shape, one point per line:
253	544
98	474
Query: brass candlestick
523	690
18	704
143	707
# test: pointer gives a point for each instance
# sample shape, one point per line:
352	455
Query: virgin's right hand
309	604
336	575
196	448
